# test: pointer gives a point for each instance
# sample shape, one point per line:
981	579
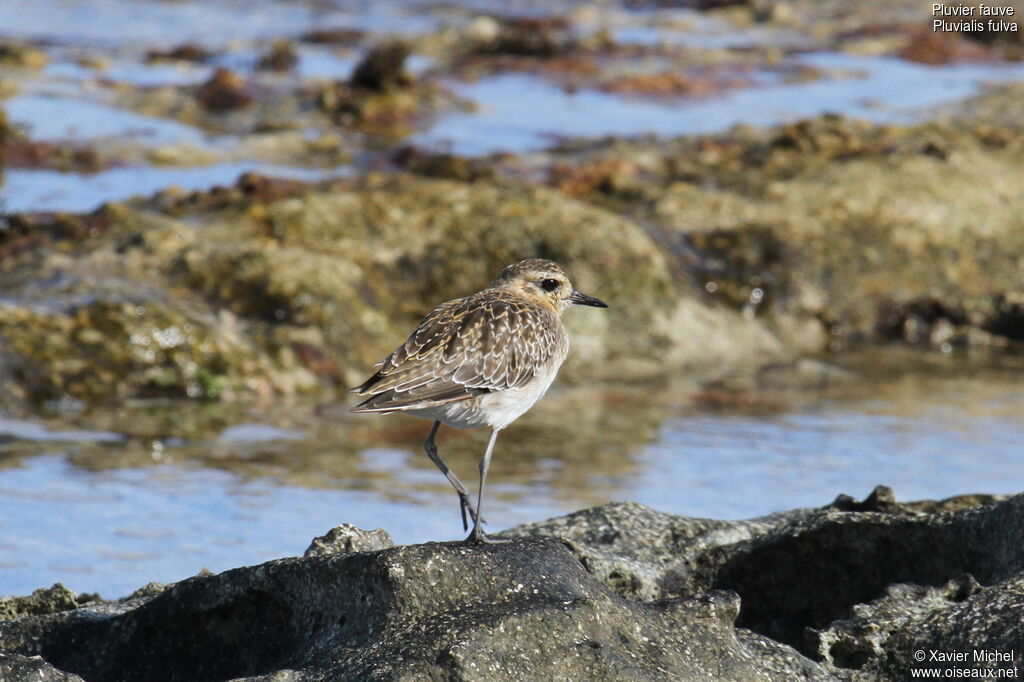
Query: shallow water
164	24
514	112
107	500
49	190
63	118
881	89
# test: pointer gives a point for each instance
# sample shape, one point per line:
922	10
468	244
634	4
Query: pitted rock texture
15	667
857	586
845	592
346	538
518	611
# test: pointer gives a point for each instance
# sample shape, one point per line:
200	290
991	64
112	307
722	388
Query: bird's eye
549	284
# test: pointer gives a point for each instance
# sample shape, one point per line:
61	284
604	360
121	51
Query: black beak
582	299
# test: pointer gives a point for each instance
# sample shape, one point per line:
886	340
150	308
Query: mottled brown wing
463	348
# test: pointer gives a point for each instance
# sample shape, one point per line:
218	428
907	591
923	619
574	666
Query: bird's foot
478	537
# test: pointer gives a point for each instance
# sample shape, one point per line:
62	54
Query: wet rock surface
849	591
718	251
286	295
752	240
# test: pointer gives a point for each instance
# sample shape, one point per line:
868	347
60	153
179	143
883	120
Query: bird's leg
464	503
477	536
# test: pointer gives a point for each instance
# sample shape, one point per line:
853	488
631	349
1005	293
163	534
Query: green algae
45	600
107	350
841	222
718	251
301	294
362	267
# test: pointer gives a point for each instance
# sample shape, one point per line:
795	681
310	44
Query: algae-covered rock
383	68
223	91
107	349
875	232
364	266
280	57
18	55
42	601
715	251
298	294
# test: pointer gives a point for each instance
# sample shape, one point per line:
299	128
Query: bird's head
544	283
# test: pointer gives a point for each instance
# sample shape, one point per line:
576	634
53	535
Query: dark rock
6	134
744	268
698	5
1009	316
927	46
523	610
849	591
266	189
24	153
334	36
224	91
799	572
442	164
280	57
16	55
914	321
346	539
383	68
881	499
189	52
15	668
540	37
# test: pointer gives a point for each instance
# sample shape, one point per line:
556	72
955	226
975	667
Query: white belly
495	410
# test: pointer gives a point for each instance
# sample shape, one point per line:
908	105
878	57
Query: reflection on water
50	190
882	89
108	500
119	22
58	118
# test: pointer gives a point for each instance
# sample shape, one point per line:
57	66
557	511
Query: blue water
105	528
523	112
46	118
166	24
49	190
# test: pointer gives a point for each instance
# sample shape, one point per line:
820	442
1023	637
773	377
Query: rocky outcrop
302	294
718	253
523	610
850	591
16	667
856	586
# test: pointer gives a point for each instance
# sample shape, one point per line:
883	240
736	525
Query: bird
480	361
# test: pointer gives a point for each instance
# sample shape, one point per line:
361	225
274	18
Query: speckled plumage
465	350
482	360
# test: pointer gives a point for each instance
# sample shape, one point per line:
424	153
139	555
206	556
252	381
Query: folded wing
464	348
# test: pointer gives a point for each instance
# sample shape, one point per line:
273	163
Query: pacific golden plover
482	360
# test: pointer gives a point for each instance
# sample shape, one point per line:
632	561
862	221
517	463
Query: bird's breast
501	408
